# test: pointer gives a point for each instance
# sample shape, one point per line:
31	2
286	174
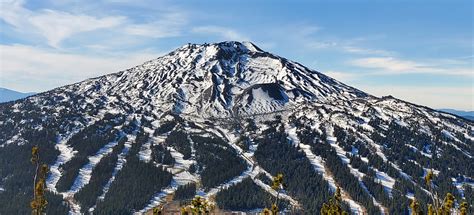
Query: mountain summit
220	121
221	79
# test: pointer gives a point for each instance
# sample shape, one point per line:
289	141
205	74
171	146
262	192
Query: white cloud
435	97
54	26
28	68
169	25
57	26
391	65
366	51
221	32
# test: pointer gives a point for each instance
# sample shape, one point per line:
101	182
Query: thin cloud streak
392	66
54	26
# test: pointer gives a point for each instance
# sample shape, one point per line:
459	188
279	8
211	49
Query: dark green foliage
339	169
17	173
86	143
264	178
161	155
377	190
276	155
133	187
101	174
245	196
469	196
56	204
348	181
185	192
217	161
179	140
165	128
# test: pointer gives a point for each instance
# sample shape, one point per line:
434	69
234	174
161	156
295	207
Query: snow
268	189
65	154
154	87
145	151
118	166
401	123
341	153
181	176
85	172
291	131
448	134
231	182
332	141
159	198
387	181
318	165
380	113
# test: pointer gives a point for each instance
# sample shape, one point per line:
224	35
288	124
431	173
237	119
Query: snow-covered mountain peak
219	114
214	79
219	79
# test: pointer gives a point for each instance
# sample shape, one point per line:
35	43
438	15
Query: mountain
7	95
461	113
223	119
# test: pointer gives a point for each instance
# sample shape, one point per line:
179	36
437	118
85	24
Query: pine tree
463	208
333	207
277	185
415	207
39	202
198	205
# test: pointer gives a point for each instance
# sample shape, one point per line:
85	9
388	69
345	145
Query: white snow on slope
85	173
121	161
65	154
181	176
145	151
384	179
318	165
341	153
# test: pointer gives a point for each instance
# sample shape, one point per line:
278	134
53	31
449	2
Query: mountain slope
7	95
465	114
217	114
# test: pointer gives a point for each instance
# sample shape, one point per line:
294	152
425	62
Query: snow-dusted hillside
208	114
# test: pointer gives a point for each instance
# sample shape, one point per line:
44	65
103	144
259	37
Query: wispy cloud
391	65
221	32
168	25
21	64
359	50
54	26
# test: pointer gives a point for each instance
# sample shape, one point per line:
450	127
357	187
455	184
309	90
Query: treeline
88	195
16	172
185	192
135	184
86	143
276	155
217	162
245	196
162	155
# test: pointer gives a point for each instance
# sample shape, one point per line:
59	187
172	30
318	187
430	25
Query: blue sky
419	51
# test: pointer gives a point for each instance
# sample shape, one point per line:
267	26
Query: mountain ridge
218	114
7	95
